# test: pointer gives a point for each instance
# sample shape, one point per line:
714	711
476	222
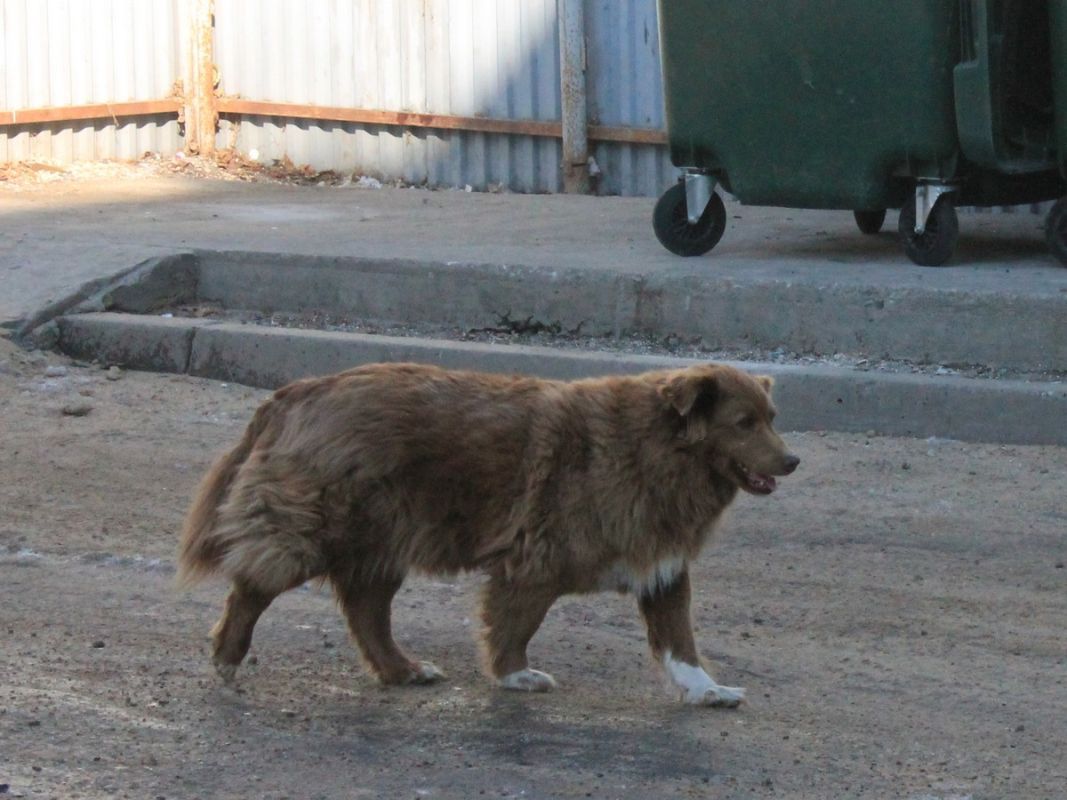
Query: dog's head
727	416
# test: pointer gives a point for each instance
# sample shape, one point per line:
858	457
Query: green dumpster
851	104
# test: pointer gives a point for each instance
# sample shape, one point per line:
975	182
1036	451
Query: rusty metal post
201	113
572	63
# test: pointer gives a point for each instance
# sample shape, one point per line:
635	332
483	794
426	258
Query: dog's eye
748	422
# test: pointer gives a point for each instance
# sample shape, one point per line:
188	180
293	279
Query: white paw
226	671
718	697
528	680
697	687
425	672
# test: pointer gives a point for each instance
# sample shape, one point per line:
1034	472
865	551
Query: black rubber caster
1056	230
934	246
869	222
671	223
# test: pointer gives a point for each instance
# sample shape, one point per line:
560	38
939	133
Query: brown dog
550	487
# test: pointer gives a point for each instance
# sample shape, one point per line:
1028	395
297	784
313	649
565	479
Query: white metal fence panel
489	58
625	88
472	58
80	52
469	58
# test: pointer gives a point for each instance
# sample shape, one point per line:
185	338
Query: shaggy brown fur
550	487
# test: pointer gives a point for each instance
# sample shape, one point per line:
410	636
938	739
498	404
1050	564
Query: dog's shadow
514	730
652	738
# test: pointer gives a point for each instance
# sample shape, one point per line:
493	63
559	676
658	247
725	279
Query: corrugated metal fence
625	88
420	90
445	57
111	60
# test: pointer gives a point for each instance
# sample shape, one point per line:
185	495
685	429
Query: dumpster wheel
671	223
869	222
1056	230
934	246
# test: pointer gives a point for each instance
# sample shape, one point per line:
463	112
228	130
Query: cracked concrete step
810	397
962	319
940	319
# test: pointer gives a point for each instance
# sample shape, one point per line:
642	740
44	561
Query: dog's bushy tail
200	552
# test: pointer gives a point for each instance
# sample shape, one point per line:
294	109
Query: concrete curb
152	344
910	321
149	285
1024	332
810	398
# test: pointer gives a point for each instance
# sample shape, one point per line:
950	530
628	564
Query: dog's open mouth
756	482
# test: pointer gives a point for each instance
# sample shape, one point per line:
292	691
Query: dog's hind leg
268	537
367	605
670	634
262	568
232	634
512	613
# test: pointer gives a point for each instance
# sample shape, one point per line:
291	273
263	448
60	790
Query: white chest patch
621	577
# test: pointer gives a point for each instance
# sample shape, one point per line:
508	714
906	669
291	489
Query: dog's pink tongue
762	483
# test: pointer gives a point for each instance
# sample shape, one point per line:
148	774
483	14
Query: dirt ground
896	611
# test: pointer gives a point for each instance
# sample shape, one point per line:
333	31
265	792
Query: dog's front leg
512	613
670	634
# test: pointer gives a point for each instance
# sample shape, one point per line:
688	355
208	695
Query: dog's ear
688	393
766	381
